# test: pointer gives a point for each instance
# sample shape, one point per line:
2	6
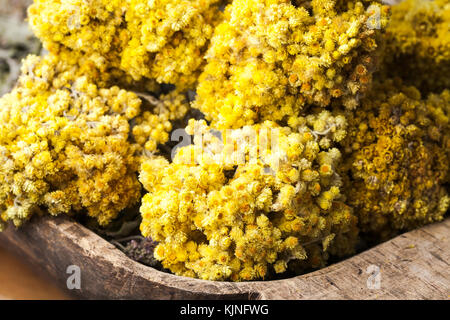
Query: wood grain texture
414	265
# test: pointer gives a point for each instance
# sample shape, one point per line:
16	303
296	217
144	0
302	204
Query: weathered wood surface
414	265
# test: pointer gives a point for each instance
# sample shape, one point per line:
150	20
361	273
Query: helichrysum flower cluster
229	208
399	145
159	39
271	58
418	44
153	126
65	143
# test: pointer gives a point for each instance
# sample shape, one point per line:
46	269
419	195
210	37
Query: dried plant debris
139	249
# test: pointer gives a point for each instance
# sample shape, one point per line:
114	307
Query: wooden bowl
414	265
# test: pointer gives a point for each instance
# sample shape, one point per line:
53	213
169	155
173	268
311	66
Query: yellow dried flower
418	44
234	205
269	59
153	126
398	156
161	39
64	144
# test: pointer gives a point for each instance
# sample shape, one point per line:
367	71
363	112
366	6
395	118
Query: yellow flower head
398	146
269	59
418	44
241	197
160	39
64	144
